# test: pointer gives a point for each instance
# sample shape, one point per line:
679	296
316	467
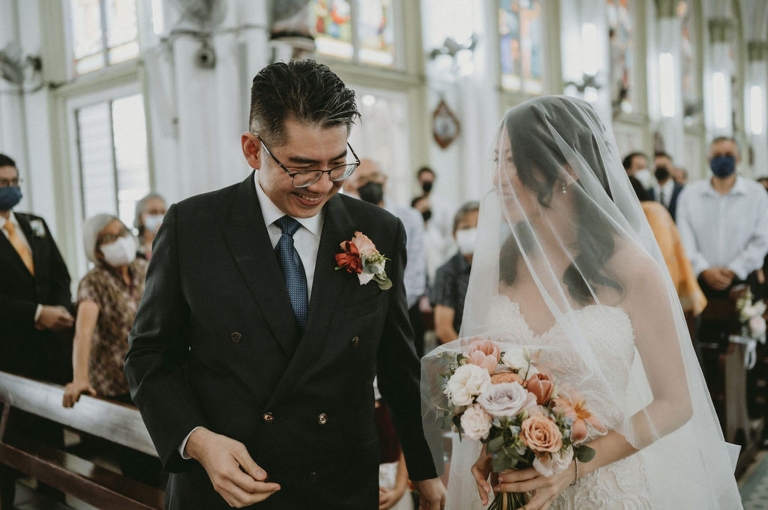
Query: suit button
236	337
268	417
322	419
355	342
313	477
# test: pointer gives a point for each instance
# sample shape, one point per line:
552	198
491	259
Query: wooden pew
727	381
86	481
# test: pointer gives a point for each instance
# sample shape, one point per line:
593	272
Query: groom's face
306	148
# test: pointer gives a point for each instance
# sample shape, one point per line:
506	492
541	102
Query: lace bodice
609	336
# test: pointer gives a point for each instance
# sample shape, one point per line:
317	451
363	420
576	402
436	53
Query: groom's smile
307	148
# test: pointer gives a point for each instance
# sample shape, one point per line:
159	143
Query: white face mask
120	253
466	240
644	176
152	222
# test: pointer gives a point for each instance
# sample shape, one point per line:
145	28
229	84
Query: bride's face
520	201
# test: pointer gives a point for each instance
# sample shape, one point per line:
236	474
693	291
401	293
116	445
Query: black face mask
426	186
661	173
373	192
426	215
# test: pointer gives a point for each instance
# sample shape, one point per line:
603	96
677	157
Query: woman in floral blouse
107	300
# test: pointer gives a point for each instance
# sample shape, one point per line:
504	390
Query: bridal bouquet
523	418
751	317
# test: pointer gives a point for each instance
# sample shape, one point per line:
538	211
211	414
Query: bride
566	265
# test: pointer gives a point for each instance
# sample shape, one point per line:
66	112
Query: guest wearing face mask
723	224
636	165
107	299
149	215
437	214
450	288
666	190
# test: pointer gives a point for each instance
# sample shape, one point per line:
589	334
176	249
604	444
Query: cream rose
467	382
757	325
515	359
476	423
506	400
549	465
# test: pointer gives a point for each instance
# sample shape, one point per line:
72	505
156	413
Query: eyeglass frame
320	176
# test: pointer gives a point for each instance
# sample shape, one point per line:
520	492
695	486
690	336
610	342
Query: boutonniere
37	228
361	257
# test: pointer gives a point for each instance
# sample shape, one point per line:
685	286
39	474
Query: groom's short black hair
301	90
7	161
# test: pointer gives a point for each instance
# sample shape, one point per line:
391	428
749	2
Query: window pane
96	163
330	21
377	32
87	37
130	139
621	37
122	30
690	83
521	31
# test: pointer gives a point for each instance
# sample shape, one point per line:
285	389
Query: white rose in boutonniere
37	228
361	257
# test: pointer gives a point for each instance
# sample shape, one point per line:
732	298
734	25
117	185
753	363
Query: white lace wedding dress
608	330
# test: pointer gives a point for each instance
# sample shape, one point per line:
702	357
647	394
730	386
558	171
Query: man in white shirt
666	190
723	225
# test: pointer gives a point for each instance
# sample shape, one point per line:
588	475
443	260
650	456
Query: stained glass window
521	51
335	23
690	82
621	27
105	32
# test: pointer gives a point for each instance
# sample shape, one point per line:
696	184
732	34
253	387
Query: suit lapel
327	287
248	241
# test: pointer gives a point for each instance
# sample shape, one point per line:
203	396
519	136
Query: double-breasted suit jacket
215	344
24	349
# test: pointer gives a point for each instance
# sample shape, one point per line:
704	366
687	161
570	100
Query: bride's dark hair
539	163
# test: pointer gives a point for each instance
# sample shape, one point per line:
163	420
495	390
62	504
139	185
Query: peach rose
541	434
364	244
541	386
506	377
484	353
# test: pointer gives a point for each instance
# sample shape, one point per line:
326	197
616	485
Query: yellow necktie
20	247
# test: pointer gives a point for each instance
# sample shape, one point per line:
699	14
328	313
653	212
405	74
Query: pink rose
506	377
475	422
541	434
484	353
364	244
540	385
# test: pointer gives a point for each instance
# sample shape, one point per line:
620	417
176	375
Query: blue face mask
9	197
723	166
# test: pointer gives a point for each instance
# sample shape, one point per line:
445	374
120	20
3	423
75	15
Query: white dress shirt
306	240
728	230
664	190
415	273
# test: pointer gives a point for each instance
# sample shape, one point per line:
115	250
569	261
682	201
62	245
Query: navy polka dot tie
293	269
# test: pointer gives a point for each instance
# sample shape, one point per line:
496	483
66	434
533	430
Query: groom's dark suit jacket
215	343
23	349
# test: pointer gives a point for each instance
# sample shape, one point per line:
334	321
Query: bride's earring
563	189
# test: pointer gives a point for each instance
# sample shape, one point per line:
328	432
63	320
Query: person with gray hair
150	210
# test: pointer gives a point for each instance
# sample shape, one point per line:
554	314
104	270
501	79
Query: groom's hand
233	473
431	494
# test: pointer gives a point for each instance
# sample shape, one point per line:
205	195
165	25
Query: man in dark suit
252	357
667	189
35	304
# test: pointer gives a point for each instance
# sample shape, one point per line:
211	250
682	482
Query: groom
252	357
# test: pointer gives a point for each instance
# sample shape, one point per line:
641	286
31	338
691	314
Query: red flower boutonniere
360	257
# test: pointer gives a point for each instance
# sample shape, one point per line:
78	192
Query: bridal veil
562	234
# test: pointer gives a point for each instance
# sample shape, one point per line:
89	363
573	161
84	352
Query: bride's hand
480	471
545	488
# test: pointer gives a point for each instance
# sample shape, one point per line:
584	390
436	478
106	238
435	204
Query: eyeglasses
5	183
111	238
306	178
